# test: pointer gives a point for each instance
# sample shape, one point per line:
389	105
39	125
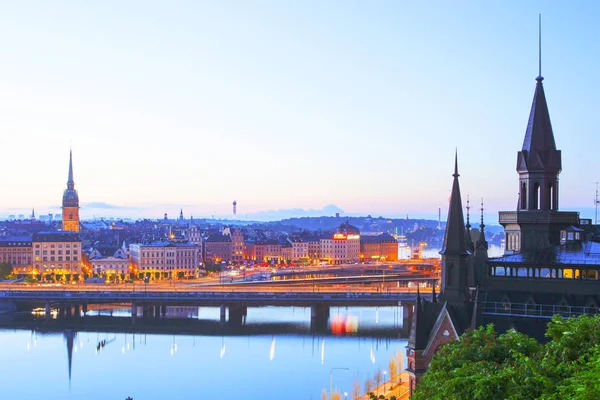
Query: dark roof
455	242
383	238
583	253
107	251
539	149
423	320
218	238
60	236
15	241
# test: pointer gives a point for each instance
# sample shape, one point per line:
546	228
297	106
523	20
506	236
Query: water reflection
116	363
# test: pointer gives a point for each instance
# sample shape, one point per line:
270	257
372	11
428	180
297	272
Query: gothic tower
456	257
537	222
70	202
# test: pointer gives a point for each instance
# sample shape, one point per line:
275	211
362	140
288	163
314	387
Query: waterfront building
268	251
16	250
164	260
382	247
299	249
237	245
342	247
56	255
70	202
109	261
218	248
314	248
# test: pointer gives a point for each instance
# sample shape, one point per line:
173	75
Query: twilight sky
282	104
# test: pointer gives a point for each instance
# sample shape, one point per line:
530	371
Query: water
107	365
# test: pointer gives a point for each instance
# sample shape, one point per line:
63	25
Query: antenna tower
596	202
234	209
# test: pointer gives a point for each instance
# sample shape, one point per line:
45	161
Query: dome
70	198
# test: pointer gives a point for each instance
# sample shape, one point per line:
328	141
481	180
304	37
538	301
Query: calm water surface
106	365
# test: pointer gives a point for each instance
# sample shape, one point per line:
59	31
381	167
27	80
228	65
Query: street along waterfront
275	352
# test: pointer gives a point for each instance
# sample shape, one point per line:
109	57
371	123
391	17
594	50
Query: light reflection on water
157	366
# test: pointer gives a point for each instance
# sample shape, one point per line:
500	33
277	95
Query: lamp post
331	378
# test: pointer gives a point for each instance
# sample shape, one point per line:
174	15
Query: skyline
162	115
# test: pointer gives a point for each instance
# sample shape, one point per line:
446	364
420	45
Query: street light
331	378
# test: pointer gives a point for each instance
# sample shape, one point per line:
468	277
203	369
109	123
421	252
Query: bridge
154	303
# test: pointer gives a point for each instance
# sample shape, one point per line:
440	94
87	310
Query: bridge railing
154	296
535	310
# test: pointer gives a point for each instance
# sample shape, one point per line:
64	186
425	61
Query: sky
289	105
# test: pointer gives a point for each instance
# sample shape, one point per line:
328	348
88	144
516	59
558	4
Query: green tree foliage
484	365
5	270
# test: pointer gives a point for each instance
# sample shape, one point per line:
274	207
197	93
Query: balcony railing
535	310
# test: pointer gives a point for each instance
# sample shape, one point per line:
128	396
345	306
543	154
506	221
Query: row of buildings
64	255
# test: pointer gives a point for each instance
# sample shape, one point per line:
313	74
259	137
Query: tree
356	388
484	365
378	376
5	269
368	384
393	367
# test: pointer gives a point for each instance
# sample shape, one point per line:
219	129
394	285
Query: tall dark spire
455	236
539	148
482	244
470	245
70	182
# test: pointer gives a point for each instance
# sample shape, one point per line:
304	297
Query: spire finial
456	164
540	77
482	224
468	225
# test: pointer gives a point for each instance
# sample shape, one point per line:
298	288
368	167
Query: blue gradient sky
289	104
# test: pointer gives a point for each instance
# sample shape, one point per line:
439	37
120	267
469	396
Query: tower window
523	196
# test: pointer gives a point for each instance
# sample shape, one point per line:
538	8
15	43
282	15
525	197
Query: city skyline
351	94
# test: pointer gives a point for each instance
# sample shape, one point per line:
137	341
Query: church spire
70	182
455	242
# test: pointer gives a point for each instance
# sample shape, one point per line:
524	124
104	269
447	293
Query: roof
15	241
584	253
218	238
59	236
539	148
455	241
383	238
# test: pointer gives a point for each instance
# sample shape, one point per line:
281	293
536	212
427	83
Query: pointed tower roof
470	245
481	244
539	151
455	242
70	181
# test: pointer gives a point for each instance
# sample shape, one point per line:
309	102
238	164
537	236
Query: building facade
16	250
237	245
164	260
378	248
56	255
109	262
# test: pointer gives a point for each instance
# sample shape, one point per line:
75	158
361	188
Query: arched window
551	204
535	205
522	272
523	196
